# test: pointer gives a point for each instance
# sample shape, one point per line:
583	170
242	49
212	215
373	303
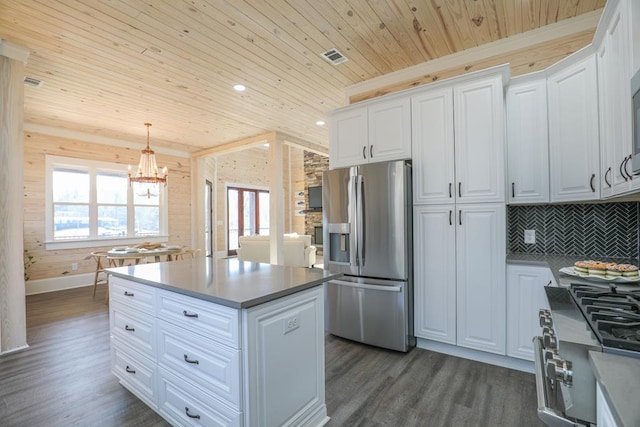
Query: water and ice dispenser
338	243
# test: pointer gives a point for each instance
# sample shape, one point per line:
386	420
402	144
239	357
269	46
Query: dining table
120	256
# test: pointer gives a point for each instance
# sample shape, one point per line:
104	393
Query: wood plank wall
249	168
57	263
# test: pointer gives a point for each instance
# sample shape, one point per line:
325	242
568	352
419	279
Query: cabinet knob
364	151
606	174
593	176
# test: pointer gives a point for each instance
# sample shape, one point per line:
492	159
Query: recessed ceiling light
239	88
320	123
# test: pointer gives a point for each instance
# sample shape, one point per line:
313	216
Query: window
90	203
247	214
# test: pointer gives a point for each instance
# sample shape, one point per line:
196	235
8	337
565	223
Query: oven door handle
549	416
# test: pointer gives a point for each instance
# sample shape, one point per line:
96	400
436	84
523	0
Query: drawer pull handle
128	294
187	314
127	328
186	411
186	359
128	369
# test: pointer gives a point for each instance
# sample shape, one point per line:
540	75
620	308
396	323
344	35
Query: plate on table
571	272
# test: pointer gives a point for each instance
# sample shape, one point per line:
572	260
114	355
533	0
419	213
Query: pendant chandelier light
146	181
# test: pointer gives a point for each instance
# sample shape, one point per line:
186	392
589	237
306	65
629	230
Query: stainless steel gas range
597	317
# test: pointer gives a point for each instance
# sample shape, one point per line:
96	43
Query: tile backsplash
604	230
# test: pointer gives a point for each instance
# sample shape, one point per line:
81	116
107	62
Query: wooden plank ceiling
109	66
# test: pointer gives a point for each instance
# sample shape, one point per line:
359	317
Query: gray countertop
619	377
556	262
237	284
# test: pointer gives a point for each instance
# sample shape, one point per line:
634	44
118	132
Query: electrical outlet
530	237
291	323
74	266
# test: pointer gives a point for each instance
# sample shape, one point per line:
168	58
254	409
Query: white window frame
93	167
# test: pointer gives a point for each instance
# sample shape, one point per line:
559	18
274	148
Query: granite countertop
237	284
556	262
619	377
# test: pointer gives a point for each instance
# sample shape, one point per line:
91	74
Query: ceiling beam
304	145
237	145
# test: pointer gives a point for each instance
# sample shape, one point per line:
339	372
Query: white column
276	201
13	324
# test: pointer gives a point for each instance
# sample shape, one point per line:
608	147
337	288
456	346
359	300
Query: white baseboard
53	284
13	350
478	356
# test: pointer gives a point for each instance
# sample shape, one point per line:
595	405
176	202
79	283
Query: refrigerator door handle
362	221
365	286
356	223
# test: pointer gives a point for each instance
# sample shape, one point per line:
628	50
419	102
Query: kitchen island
221	342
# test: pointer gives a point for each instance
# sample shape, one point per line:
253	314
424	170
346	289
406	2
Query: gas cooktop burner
614	315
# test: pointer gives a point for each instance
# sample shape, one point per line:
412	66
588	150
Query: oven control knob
549	339
550	355
560	370
545	318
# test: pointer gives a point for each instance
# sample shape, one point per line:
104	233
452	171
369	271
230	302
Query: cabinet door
604	415
573	132
480	256
432	147
284	361
525	298
435	273
349	138
615	108
390	130
527	143
609	172
479	141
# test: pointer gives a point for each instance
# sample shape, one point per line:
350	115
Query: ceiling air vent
334	56
33	82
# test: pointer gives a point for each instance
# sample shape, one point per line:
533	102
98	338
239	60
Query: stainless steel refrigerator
367	227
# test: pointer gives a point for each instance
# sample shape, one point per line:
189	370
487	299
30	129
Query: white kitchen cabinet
378	131
349	137
200	363
458	142
480	277
614	74
433	146
293	326
390	129
604	416
479	140
574	151
525	298
460	275
527	140
435	272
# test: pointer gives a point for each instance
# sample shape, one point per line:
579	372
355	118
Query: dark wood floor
64	379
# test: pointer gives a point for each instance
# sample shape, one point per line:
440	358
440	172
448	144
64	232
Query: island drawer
136	329
211	320
135	295
214	367
135	372
182	403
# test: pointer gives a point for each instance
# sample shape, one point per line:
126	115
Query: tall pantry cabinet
459	212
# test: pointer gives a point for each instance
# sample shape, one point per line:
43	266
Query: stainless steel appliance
582	318
367	236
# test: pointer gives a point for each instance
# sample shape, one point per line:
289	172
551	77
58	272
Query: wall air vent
33	82
335	57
